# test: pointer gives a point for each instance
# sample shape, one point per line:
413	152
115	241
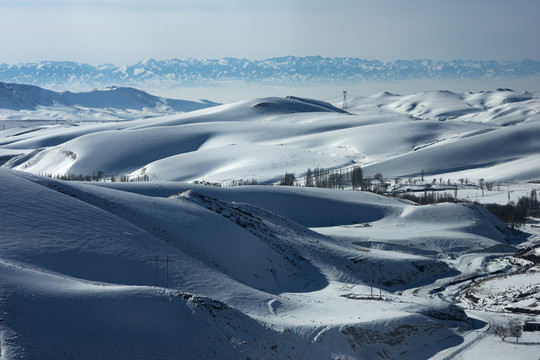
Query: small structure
531	326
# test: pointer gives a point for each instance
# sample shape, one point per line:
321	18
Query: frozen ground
269	272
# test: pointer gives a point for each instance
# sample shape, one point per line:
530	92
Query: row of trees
515	214
231	183
354	178
129	178
430	197
330	179
98	176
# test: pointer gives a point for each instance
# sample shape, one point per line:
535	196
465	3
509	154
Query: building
531	326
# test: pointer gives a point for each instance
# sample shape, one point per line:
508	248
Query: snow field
251	139
129	228
258	271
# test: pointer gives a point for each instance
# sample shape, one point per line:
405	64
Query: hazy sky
126	31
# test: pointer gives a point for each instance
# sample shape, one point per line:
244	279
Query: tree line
329	179
515	214
98	176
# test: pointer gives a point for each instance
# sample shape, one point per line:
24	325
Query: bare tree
309	178
512	328
288	179
500	330
357	178
515	329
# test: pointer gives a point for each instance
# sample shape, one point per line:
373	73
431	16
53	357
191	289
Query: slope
129	148
259	263
262	139
264	265
296	267
18	101
81	320
175	223
354	219
500	107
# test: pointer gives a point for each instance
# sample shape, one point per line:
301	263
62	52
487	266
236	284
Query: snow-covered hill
168	267
264	286
113	103
150	73
490	135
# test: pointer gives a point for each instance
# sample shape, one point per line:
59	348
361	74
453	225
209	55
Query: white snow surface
264	272
67	243
491	135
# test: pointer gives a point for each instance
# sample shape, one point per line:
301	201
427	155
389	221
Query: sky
123	32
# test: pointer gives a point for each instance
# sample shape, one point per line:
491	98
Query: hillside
160	254
261	139
88	253
27	102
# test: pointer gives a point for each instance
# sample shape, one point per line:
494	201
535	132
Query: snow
261	139
268	271
493	348
25	102
76	319
81	234
517	291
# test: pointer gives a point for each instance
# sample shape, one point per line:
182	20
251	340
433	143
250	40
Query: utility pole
167	281
380	281
371	282
345	106
166	260
156	271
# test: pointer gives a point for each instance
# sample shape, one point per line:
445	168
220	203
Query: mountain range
273	70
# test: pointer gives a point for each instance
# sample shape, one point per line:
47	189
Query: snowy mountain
152	73
181	265
32	102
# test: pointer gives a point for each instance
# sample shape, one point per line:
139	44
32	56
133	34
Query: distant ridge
272	70
20	101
